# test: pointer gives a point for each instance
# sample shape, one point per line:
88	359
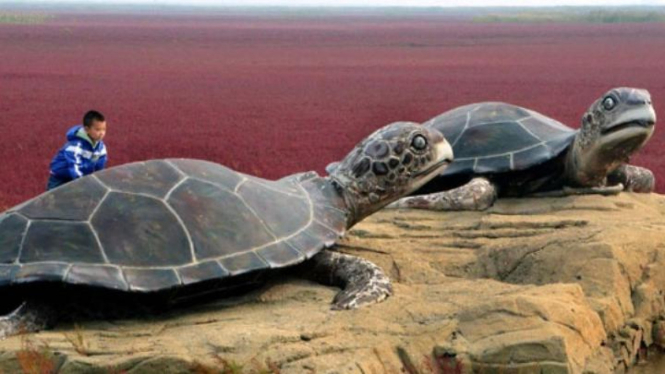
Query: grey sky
441	3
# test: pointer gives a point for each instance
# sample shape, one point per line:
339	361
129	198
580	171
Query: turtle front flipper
28	317
362	282
574	191
478	194
633	178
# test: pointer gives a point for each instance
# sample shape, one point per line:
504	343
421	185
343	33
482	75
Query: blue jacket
78	157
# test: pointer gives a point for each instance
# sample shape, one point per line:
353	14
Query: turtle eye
609	103
419	142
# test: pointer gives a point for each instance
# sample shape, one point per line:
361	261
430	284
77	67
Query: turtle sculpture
163	231
505	150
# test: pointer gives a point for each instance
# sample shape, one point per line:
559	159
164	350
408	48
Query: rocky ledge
565	285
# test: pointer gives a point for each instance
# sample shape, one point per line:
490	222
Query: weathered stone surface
568	285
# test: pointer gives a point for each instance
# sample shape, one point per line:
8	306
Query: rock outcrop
561	285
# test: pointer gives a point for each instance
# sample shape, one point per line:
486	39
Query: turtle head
391	163
615	126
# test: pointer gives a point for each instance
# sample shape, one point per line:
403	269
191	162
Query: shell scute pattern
497	112
495	137
544	130
217	219
202	271
460	166
280	254
290	188
134	230
44	272
98	276
76	202
270	204
146	280
489	164
523	160
305	244
243	263
499	138
182	222
153	178
10	245
60	241
456	122
331	217
208	172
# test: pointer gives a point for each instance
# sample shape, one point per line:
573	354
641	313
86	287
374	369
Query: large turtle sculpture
161	231
505	150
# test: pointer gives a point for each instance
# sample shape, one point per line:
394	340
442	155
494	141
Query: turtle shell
494	137
161	224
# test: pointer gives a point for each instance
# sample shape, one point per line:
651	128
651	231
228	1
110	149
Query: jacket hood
71	133
78	133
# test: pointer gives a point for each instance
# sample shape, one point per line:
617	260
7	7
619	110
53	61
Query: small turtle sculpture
163	231
505	150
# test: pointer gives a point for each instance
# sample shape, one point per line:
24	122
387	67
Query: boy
84	152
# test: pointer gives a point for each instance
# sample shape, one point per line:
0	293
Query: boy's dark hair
92	115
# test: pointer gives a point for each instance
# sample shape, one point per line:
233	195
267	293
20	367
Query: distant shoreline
319	11
38	13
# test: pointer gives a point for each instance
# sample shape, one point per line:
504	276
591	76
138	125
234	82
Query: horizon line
313	4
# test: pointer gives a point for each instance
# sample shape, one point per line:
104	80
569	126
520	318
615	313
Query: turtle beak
445	151
643	118
445	157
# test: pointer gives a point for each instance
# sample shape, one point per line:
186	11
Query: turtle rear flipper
30	316
362	282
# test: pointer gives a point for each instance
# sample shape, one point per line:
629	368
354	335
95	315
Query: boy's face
97	130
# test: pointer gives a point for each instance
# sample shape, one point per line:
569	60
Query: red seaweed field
274	94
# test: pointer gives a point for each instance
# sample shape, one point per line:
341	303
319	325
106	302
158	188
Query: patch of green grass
586	16
24	18
600	16
521	17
